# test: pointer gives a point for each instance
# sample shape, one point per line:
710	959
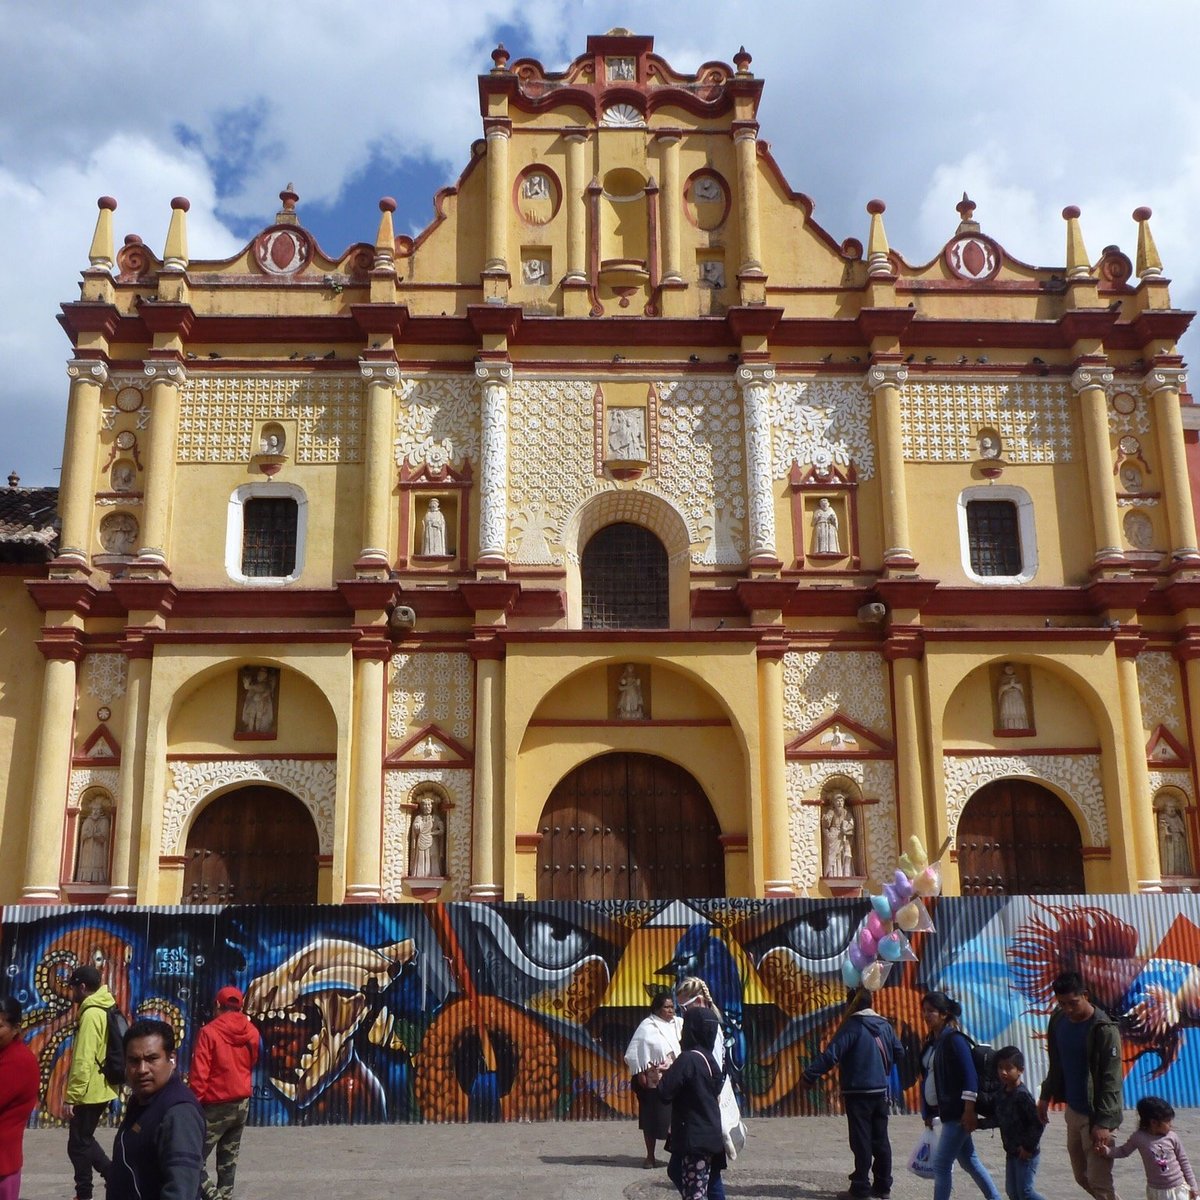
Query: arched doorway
255	845
1017	838
629	827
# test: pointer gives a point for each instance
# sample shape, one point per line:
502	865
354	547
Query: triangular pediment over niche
430	746
1164	749
839	736
101	748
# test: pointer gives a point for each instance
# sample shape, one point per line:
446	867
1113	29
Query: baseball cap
86	976
229	997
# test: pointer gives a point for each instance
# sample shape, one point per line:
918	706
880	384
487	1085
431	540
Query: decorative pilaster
364	865
776	842
495	378
1090	383
755	380
576	205
77	493
131	781
1164	383
1139	813
381	376
498	131
167	377
672	206
489	678
745	144
910	782
885	379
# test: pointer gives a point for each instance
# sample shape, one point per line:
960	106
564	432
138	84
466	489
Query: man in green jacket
88	1092
1085	1073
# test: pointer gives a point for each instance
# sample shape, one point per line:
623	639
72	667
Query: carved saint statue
118	533
706	188
989	446
535	187
1173	846
712	273
535	271
626	434
630	705
825	528
94	830
1010	700
426	836
258	706
837	838
124	476
433	530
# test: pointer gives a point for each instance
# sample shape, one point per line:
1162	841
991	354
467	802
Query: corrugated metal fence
471	1012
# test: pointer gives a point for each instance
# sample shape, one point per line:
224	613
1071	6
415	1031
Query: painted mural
506	1012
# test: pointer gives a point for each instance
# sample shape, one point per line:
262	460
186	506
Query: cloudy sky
1028	105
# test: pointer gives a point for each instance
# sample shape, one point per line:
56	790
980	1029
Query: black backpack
112	1065
988	1093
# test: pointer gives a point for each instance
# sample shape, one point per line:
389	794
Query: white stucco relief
430	689
397	789
814	418
818	683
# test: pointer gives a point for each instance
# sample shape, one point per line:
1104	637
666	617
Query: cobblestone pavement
785	1159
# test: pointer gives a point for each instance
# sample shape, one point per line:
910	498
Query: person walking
1169	1174
1020	1126
949	1087
19	1082
88	1093
1084	1072
864	1050
222	1061
655	1043
158	1152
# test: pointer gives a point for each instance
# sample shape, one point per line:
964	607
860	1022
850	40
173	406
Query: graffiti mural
508	1012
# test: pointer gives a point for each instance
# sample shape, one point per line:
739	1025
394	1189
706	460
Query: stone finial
878	250
966	216
175	255
1078	266
1149	264
100	255
287	212
385	239
500	57
742	61
14	480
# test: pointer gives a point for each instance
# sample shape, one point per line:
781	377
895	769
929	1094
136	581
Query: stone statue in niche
95	829
426	836
118	533
712	273
706	188
989	446
124	476
433	531
825	529
630	704
535	187
1011	701
1173	849
1139	530
626	434
1131	477
837	838
271	442
535	271
257	713
620	69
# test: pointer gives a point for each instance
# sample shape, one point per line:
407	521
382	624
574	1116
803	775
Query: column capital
751	373
379	371
669	137
1161	379
745	131
497	127
886	374
165	371
488	371
577	135
89	369
1091	375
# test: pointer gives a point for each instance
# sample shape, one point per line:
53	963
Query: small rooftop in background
28	522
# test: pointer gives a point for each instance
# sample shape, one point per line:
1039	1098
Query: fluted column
576	206
485	884
755	380
672	207
47	806
77	493
131	781
381	380
166	380
497	130
1090	384
364	861
776	850
885	379
745	141
1164	385
494	378
1139	808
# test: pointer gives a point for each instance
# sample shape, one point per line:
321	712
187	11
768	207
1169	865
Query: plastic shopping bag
920	1161
732	1129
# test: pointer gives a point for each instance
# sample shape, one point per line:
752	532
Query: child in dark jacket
1020	1126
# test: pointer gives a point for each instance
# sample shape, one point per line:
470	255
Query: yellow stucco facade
731	516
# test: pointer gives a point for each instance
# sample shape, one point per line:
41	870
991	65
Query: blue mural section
473	1012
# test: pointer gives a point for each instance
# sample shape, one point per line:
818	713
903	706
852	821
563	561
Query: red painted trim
528	843
1097	853
605	638
311	756
732	843
465	757
618	722
238	637
882	748
1032	751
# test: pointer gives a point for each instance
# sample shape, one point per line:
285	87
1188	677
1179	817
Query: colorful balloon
892	947
851	975
867	942
882	906
858	957
903	885
877	928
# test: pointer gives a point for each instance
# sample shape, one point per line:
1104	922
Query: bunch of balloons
896	913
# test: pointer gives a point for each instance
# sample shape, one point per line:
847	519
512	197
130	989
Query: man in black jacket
864	1049
159	1149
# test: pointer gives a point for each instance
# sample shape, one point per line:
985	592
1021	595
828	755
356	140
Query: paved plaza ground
786	1159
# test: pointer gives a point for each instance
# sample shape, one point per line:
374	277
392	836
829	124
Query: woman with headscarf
655	1043
19	1080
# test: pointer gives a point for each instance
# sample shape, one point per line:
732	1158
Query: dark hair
1153	1108
1069	983
1010	1054
941	1003
659	999
10	1006
148	1027
86	977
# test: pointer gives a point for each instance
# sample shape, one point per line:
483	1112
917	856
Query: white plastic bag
920	1161
732	1128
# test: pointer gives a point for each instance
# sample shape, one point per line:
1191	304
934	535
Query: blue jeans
716	1189
955	1146
1019	1176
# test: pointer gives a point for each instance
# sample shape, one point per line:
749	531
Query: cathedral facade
624	534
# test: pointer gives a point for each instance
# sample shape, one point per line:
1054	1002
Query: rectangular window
269	536
993	537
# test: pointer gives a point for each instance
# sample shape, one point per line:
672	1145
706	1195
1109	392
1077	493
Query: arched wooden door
255	845
629	827
1016	838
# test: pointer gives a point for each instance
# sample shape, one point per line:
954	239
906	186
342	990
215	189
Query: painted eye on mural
553	943
821	934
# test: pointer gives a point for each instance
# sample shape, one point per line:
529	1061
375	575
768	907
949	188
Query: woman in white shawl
655	1042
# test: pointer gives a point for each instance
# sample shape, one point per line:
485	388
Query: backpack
112	1065
984	1058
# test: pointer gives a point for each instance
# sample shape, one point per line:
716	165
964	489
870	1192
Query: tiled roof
28	524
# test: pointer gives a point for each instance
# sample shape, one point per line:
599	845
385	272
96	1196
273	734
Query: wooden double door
629	827
1016	838
255	845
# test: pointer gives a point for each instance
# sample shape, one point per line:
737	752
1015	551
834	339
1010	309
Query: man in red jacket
225	1054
